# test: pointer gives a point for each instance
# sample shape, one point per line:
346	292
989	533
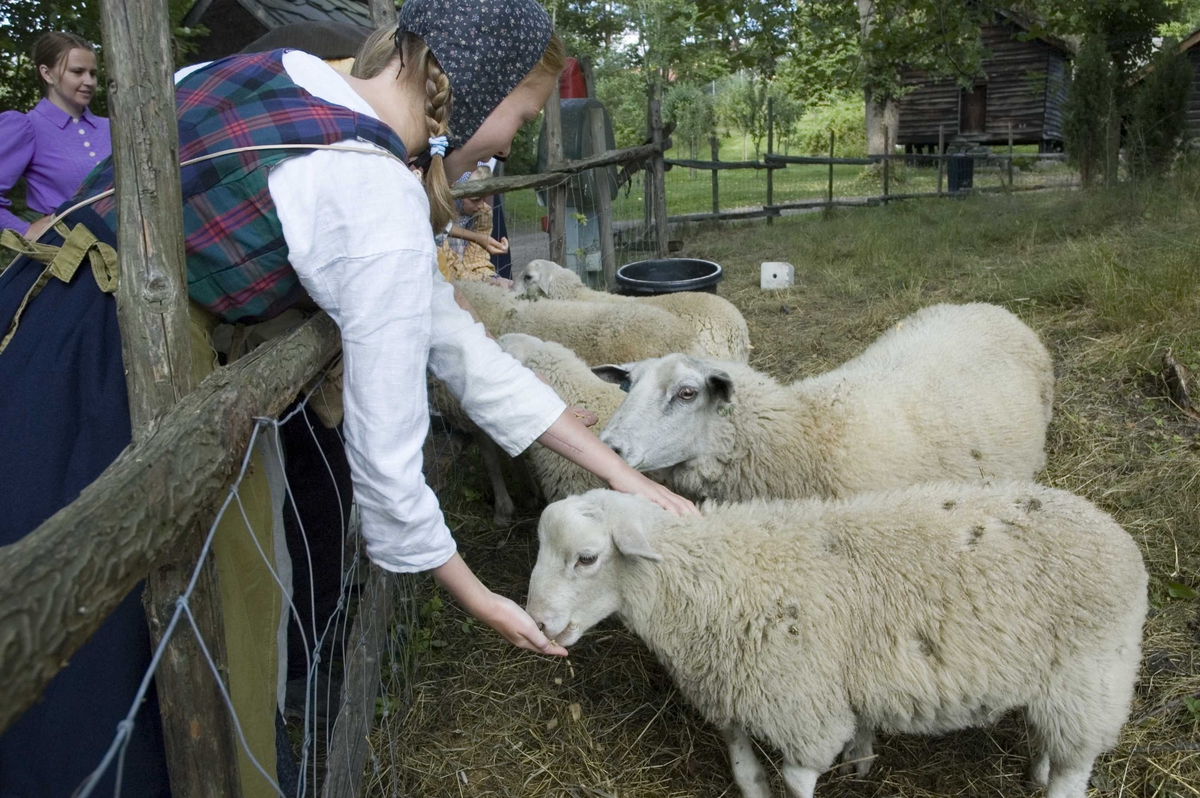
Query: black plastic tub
668	275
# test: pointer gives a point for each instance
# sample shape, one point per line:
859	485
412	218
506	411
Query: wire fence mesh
327	643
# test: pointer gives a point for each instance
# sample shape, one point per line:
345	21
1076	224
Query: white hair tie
438	144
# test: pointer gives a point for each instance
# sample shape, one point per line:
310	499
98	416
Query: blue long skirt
64	416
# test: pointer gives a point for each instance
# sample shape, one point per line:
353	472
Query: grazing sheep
719	327
919	610
599	332
571	378
951	392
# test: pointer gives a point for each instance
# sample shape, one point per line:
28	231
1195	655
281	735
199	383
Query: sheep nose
616	450
541	626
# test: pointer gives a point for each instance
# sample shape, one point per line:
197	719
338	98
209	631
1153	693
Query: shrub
1157	128
1091	110
844	115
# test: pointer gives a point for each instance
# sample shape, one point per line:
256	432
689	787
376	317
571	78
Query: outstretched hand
495	247
633	482
515	626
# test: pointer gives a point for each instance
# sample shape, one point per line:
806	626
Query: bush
845	115
1091	110
1157	129
691	110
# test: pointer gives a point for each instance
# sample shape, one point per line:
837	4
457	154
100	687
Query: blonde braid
437	122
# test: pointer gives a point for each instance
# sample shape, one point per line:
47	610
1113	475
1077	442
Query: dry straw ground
1110	280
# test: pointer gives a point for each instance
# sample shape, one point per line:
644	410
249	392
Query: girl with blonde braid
325	213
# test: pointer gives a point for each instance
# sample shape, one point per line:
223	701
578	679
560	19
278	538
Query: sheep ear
612	373
721	385
629	536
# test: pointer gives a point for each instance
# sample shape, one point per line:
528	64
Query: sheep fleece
951	392
572	380
599	332
924	609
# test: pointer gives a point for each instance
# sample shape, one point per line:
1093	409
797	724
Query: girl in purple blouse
55	145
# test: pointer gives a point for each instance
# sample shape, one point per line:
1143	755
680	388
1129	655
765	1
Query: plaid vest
237	260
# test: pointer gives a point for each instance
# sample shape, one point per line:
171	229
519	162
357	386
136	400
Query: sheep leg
748	772
1039	769
800	781
859	753
490	452
1069	782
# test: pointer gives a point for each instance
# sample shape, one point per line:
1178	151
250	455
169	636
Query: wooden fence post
887	162
152	311
941	156
589	76
715	144
383	12
1010	155
770	149
829	198
603	194
556	197
656	174
356	712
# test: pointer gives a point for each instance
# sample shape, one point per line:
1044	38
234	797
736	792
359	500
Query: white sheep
572	380
718	326
951	392
919	610
599	332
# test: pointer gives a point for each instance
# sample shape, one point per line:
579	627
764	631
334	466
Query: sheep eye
687	393
586	559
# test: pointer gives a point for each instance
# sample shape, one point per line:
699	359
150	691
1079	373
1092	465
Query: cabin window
972	110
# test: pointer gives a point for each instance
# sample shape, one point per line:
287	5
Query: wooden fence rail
59	583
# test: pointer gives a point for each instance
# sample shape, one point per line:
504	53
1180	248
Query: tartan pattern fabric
237	264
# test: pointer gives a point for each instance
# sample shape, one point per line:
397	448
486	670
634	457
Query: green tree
1157	128
1091	111
742	106
26	20
786	110
691	109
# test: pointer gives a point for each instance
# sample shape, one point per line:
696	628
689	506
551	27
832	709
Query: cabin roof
1030	25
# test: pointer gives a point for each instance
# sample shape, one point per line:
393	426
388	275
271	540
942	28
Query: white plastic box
776	274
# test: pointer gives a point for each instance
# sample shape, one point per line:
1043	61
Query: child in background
466	252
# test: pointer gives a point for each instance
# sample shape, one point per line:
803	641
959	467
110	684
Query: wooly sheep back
599	332
719	327
922	610
951	392
572	380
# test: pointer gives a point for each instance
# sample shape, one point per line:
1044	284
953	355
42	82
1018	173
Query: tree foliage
691	109
26	20
1091	110
1157	128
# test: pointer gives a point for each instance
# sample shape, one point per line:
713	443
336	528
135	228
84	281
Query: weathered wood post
1010	156
603	188
657	175
887	162
770	149
356	715
715	144
941	159
829	196
589	75
556	197
152	310
383	12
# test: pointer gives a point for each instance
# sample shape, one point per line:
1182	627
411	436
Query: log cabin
1024	84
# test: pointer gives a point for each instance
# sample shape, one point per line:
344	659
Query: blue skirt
64	417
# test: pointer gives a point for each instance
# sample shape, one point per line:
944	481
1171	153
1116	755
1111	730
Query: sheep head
676	411
585	547
546	278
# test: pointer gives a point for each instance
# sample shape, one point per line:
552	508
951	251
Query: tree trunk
880	115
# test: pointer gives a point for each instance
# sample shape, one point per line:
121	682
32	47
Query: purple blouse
53	151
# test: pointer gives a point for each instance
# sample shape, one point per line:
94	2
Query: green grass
1110	280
